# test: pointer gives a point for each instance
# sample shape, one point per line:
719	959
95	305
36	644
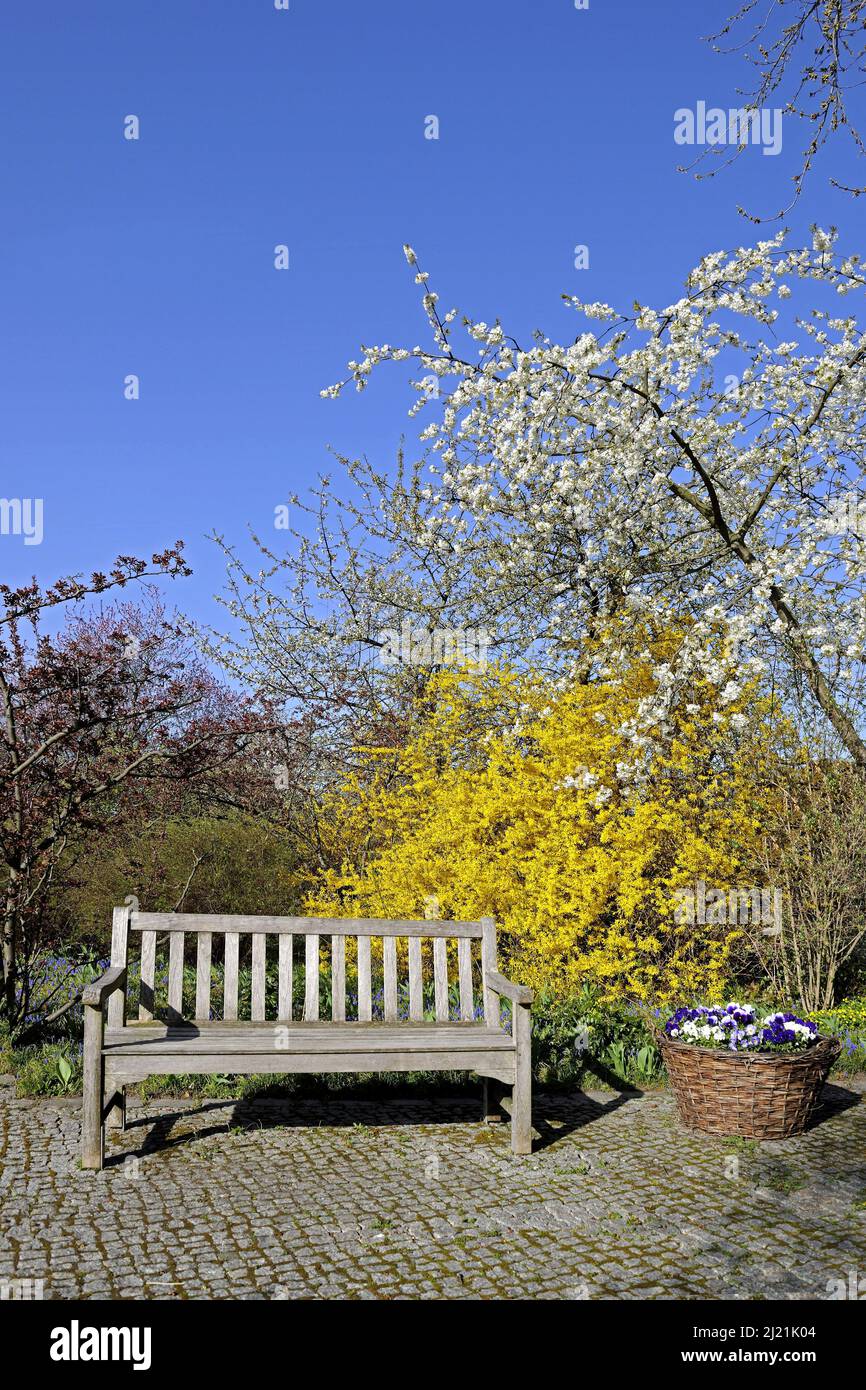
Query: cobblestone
416	1199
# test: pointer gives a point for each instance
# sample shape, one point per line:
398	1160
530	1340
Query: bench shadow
585	1110
556	1115
291	1112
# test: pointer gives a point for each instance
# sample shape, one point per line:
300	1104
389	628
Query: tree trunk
10	943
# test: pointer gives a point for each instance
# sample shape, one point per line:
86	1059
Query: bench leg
92	1131
521	1095
491	1101
115	1115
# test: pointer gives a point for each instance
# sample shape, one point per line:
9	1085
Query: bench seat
226	1039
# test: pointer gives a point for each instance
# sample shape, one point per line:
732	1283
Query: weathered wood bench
118	1052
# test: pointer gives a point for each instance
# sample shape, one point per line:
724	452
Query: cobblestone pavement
417	1199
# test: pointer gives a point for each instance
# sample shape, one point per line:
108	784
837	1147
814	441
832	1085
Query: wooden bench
118	1052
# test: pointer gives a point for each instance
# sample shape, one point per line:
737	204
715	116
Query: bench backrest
372	944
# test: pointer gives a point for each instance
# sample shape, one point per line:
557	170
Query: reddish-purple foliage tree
116	706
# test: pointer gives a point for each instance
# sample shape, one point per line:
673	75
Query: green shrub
577	1040
847	1022
231	863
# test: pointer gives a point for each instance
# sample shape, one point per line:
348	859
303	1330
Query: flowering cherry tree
775	37
703	459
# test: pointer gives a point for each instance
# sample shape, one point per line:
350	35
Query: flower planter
759	1095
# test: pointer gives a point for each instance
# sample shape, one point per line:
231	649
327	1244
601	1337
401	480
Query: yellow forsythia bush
517	800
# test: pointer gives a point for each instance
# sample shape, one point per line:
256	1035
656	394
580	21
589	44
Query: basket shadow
833	1100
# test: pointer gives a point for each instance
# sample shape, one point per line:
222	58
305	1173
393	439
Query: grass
739	1145
779	1178
6	1060
47	1069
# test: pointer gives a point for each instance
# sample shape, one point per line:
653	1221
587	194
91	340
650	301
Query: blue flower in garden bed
739	1028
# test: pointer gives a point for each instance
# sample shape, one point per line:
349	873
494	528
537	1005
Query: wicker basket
759	1095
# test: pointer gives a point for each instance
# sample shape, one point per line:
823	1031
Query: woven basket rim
818	1048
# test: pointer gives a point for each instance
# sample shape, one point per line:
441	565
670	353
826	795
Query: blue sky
306	127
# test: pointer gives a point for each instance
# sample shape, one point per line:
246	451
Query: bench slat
365	981
299	926
202	975
257	1011
338	978
464	971
175	978
488	962
389	952
416	979
284	986
311	979
440	979
230	979
120	919
146	1001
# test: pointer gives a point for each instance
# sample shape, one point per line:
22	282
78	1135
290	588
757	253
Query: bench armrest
518	994
96	993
